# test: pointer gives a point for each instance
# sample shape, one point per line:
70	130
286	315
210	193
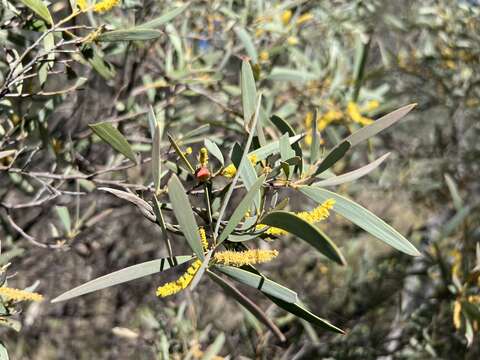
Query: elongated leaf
285	128
298	310
165	18
247	303
284	74
362	218
379	125
133	34
142	205
249	92
454	193
156	158
243	159
3	352
64	216
295	225
215	348
272	148
152	121
108	133
184	214
181	155
214	150
241	209
333	156
263	284
39	8
121	276
247	42
352	175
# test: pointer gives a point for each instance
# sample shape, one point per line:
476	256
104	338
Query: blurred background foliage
353	61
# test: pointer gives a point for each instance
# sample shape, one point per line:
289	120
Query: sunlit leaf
362	218
184	215
121	276
241	209
295	225
261	283
39	8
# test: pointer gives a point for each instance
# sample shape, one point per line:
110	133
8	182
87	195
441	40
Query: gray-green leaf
362	218
110	134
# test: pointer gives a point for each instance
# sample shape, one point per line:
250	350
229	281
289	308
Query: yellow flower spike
457	312
247	257
321	212
19	295
105	5
203	237
286	16
181	283
203	157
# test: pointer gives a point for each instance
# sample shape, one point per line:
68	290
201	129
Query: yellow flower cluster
203	238
19	295
320	213
181	283
231	170
353	111
247	257
203	157
102	6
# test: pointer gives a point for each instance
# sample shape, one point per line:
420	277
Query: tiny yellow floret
19	295
181	283
247	257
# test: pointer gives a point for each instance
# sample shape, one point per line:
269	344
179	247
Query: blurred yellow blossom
286	16
264	56
304	18
353	112
292	40
231	170
19	295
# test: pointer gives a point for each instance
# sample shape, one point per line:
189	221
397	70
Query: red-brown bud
202	174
